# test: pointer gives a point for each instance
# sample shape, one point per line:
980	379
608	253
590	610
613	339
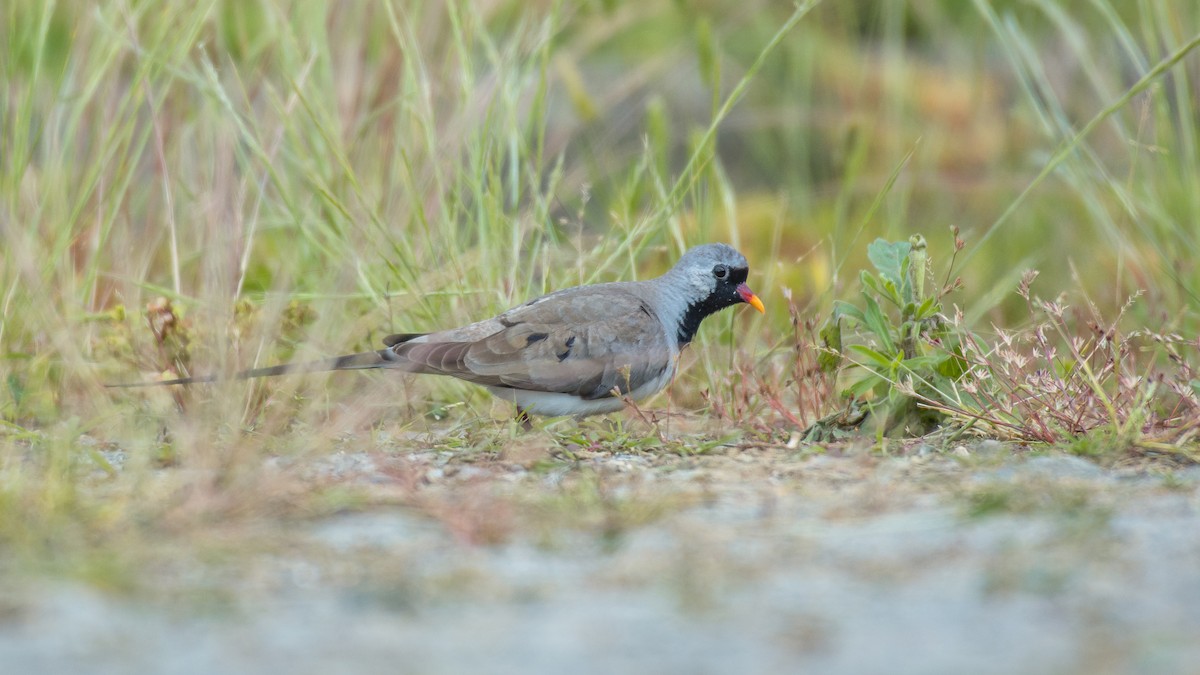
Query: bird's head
708	279
715	276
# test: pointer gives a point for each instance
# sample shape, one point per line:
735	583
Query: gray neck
677	308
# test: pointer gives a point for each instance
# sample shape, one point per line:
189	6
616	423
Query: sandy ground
740	561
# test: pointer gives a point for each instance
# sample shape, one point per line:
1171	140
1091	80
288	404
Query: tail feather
384	358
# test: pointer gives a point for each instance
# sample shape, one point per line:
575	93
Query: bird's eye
720	271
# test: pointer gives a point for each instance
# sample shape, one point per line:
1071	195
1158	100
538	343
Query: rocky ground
980	559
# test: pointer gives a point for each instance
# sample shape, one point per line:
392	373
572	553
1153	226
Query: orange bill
750	298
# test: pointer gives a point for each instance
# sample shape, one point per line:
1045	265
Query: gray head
710	277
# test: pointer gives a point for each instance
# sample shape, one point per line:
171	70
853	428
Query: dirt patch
738	560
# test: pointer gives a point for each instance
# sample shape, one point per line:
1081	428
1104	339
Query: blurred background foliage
302	177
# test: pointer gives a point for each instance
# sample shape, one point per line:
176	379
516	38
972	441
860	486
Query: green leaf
870	281
928	308
888	259
829	359
883	288
953	365
892	293
921	365
864	385
841	308
884	363
877	323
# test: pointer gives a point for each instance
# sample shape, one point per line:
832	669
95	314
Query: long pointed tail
383	358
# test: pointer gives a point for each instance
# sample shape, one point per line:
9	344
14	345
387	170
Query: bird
578	351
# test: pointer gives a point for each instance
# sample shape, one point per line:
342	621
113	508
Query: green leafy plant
910	352
912	369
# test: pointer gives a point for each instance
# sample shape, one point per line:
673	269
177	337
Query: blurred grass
297	179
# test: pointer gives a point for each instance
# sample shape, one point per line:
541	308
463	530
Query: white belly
550	404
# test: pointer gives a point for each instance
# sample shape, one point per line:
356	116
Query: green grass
216	185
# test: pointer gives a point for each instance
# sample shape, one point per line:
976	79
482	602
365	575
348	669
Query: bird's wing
585	341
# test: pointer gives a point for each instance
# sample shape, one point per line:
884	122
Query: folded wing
585	342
